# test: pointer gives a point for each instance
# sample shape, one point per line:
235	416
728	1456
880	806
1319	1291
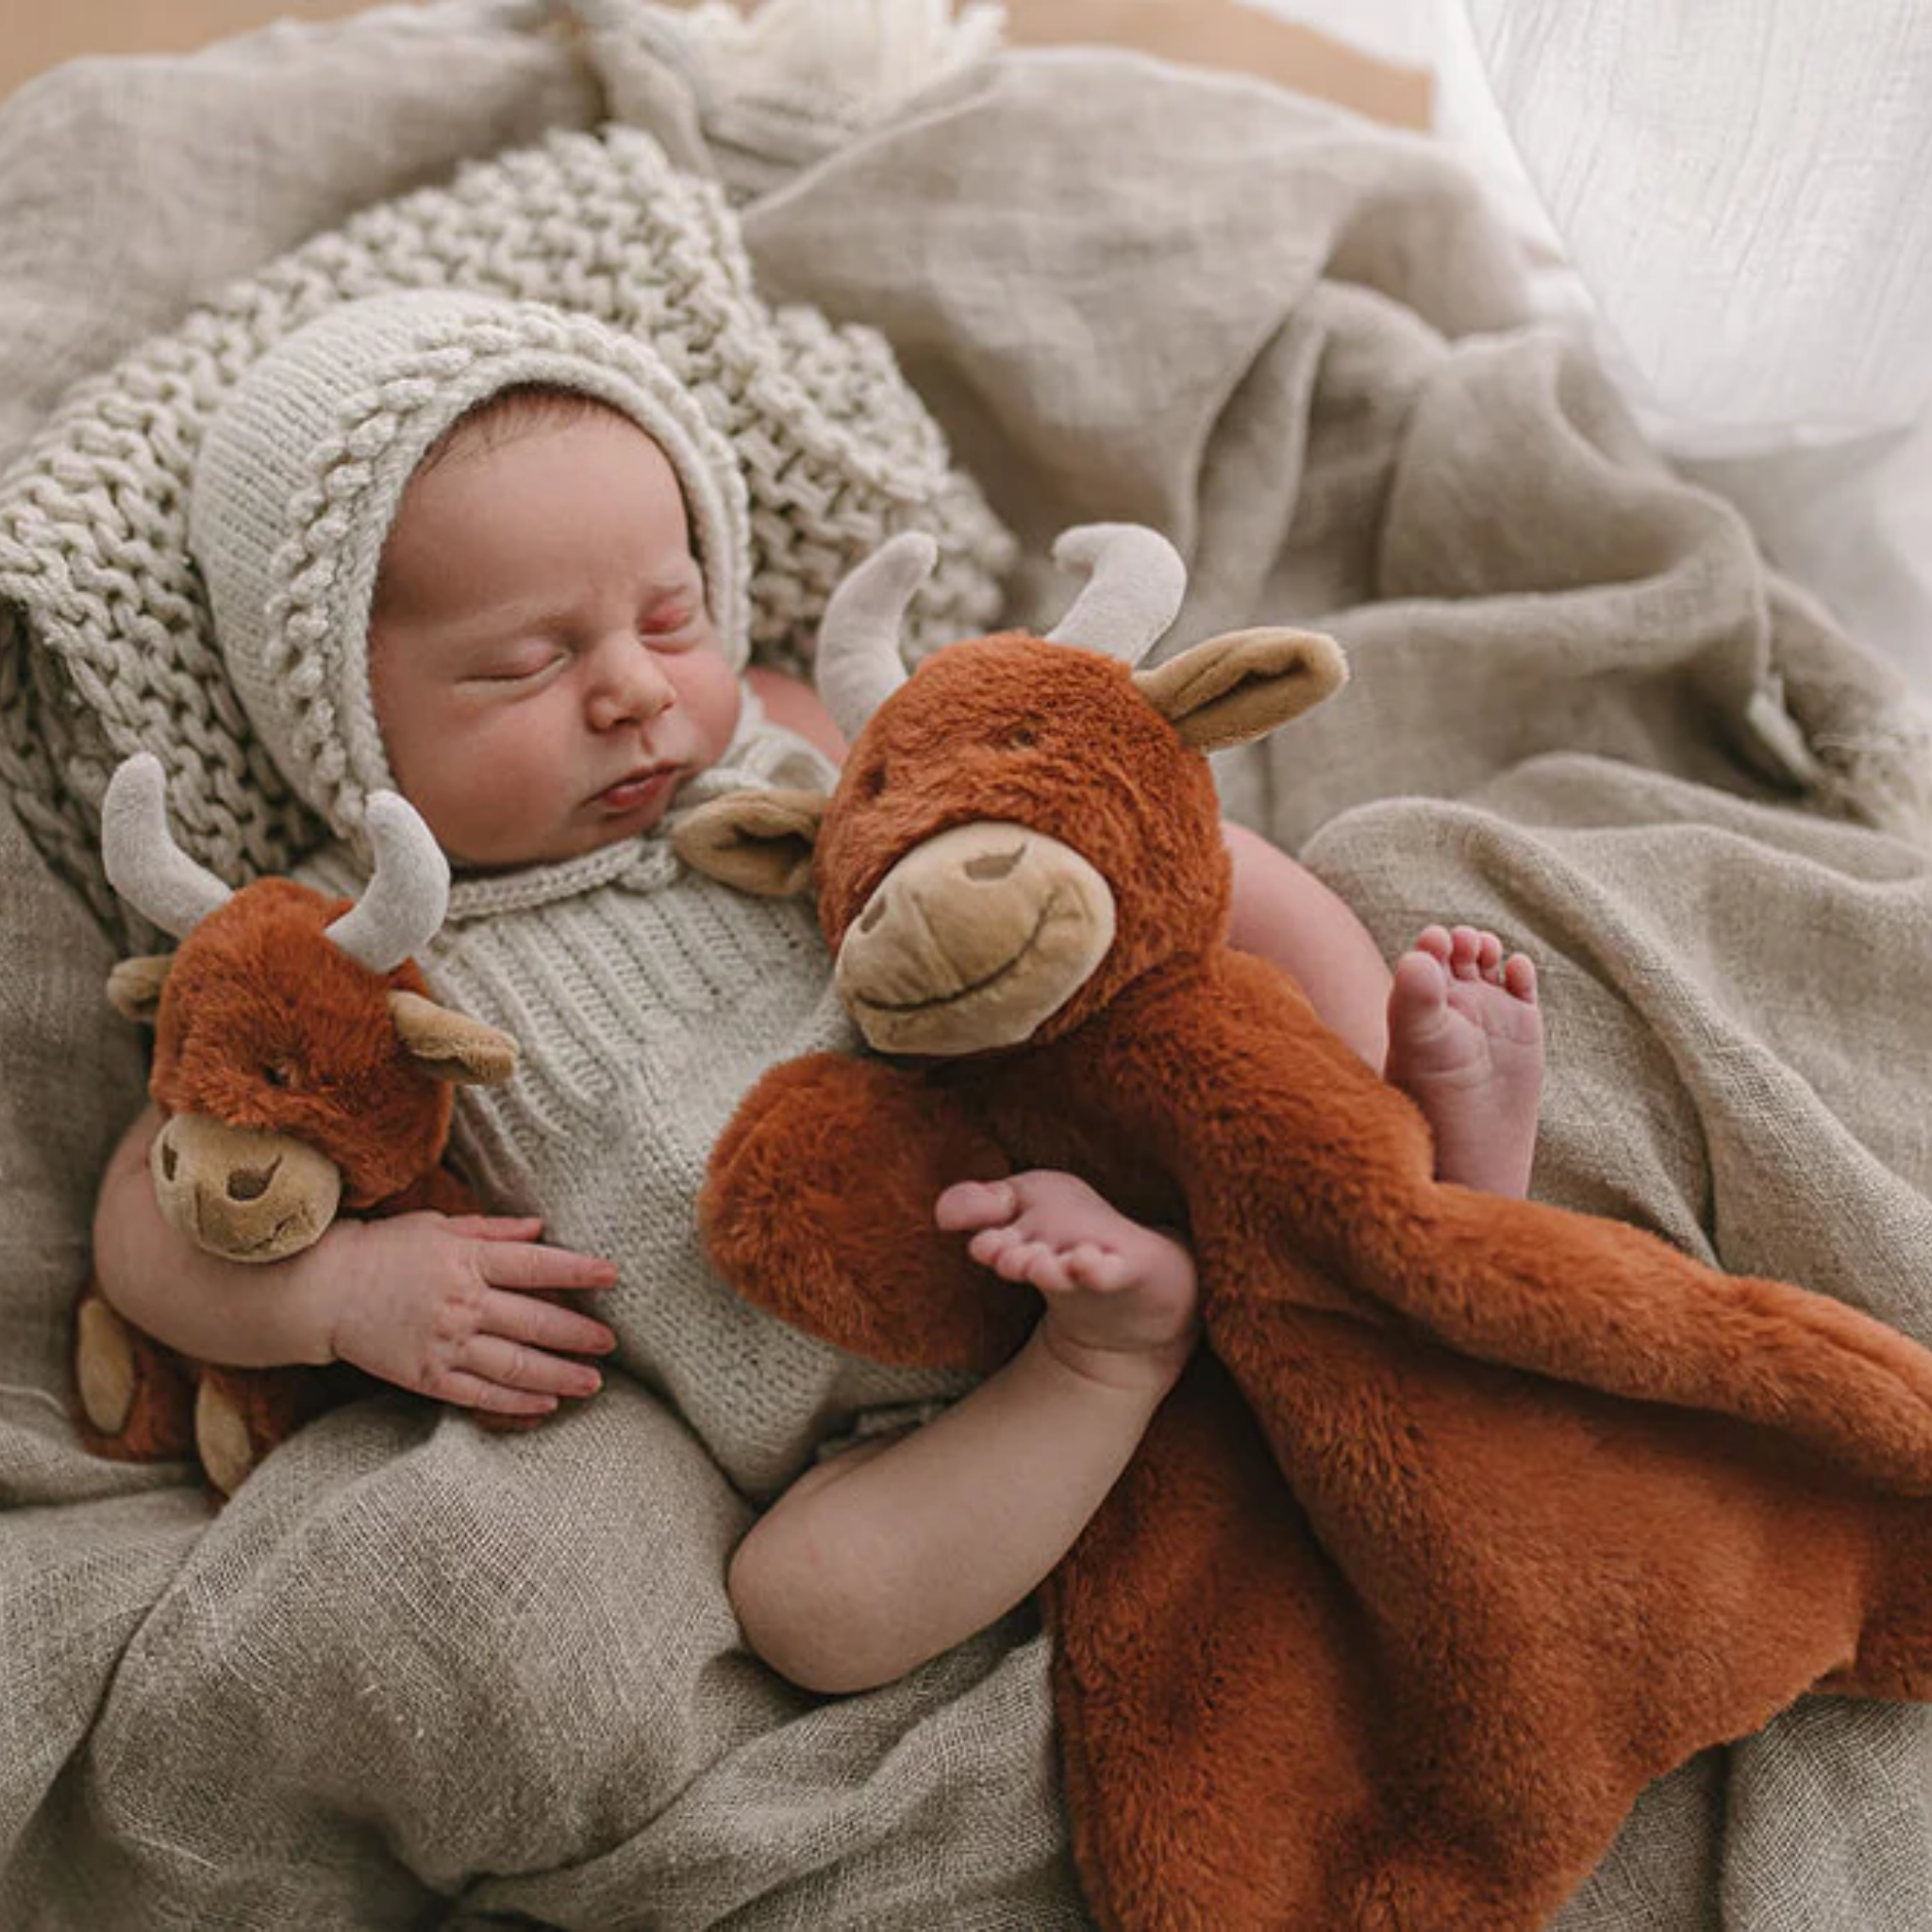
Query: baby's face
544	671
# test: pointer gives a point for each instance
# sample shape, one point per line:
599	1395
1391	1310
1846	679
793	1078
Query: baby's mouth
639	789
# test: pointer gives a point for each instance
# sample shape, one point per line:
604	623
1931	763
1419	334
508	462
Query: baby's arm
430	1302
1285	915
872	1563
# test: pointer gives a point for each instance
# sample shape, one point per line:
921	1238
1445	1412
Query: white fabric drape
1745	187
1733	199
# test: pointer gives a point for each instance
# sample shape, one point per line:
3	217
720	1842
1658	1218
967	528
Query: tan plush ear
134	987
1243	684
760	842
452	1046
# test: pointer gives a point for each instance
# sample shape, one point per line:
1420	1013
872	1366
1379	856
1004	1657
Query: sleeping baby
493	555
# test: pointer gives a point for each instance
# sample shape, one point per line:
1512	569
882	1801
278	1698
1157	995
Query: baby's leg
1466	1044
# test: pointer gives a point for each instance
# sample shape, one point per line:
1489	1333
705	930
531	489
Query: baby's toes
1417	992
1466	952
1094	1267
1048	1271
991	1244
1035	1263
1519	978
975	1204
1479	955
1435	942
1015	1257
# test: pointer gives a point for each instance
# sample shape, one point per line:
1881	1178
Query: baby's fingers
527	1265
472	1391
542	1324
500	1363
497	1227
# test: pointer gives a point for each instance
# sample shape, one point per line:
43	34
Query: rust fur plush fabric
1471	1517
263	989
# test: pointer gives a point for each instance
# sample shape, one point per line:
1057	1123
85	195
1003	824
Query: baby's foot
1115	1289
1466	1044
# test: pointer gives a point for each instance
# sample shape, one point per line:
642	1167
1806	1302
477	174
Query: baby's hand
1119	1298
448	1305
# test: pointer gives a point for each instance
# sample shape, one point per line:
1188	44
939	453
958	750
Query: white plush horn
142	861
858	666
402	907
1135	584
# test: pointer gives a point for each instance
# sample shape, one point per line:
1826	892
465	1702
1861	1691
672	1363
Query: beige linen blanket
417	1674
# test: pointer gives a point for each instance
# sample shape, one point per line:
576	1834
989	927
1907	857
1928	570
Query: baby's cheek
507	776
527	775
711	697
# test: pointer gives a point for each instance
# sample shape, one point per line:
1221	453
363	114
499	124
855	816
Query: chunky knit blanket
419	1674
114	650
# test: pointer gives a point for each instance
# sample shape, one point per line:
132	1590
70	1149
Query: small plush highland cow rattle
303	1069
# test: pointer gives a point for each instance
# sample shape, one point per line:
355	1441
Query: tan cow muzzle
242	1193
973	940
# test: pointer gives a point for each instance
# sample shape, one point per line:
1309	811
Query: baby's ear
760	842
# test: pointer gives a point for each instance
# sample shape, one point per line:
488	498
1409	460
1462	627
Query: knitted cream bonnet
304	467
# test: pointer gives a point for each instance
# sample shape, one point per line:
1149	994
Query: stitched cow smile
999	972
973	940
273	1236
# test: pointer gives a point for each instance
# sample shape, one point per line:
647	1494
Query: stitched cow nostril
872	913
991	867
251	1183
170	1161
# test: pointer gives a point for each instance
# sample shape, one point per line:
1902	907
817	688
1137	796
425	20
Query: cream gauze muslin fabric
1743	184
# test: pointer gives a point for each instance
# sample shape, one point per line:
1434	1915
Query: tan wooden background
35	34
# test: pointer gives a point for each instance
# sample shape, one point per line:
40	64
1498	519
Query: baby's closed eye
517	664
667	620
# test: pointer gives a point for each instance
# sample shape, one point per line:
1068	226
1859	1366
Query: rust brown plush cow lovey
1471	1516
302	1068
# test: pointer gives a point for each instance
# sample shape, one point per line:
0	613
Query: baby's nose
633	687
